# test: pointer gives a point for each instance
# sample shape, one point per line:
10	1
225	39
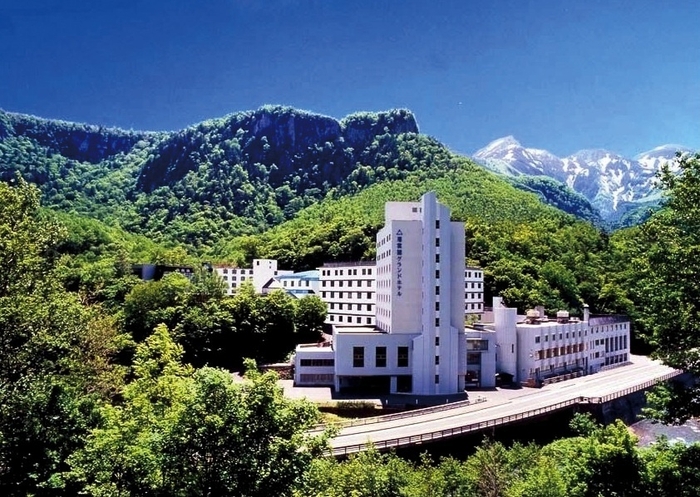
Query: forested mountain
532	253
305	188
238	174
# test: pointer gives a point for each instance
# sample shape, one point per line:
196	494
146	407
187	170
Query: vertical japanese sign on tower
399	251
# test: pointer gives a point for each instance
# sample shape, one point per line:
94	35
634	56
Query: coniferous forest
110	385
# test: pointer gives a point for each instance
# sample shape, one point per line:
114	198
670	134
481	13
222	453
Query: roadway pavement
502	403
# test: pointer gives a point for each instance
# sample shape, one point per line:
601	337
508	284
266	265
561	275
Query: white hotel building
399	322
261	272
536	350
349	291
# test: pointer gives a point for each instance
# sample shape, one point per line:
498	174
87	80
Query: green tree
667	270
603	463
673	470
154	302
309	316
182	431
55	363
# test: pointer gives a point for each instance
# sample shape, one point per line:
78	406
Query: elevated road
500	408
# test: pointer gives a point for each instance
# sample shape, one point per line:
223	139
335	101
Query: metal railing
636	388
400	415
473	427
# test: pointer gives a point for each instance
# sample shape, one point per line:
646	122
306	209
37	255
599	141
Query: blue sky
560	75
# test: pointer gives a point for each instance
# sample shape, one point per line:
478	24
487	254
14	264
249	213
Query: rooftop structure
536	348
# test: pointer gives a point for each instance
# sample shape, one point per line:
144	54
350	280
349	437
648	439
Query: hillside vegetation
532	253
305	189
238	174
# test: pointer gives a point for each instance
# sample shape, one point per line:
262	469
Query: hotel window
402	358
437	274
437	258
437	360
358	357
369	320
437	224
369	271
437	321
437	306
380	357
537	339
437	379
437	242
476	344
437	290
437	341
225	271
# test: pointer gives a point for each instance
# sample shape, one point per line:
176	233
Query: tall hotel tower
420	290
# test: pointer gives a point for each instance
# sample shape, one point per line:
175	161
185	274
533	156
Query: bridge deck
501	407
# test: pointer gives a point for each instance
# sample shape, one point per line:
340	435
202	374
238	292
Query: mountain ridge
614	184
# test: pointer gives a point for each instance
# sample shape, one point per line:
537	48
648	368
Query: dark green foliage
218	330
55	362
660	269
532	254
559	195
234	175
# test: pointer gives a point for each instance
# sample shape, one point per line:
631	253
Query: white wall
313	375
344	343
505	319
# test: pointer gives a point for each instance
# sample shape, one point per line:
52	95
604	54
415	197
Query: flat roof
314	348
349	264
607	319
365	330
309	275
548	324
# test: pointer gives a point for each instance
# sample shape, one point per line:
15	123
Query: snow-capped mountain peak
612	183
499	145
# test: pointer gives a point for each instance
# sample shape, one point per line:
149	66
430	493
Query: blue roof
304	275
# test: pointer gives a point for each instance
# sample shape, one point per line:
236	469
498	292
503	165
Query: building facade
301	284
535	348
259	275
348	289
399	321
473	290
